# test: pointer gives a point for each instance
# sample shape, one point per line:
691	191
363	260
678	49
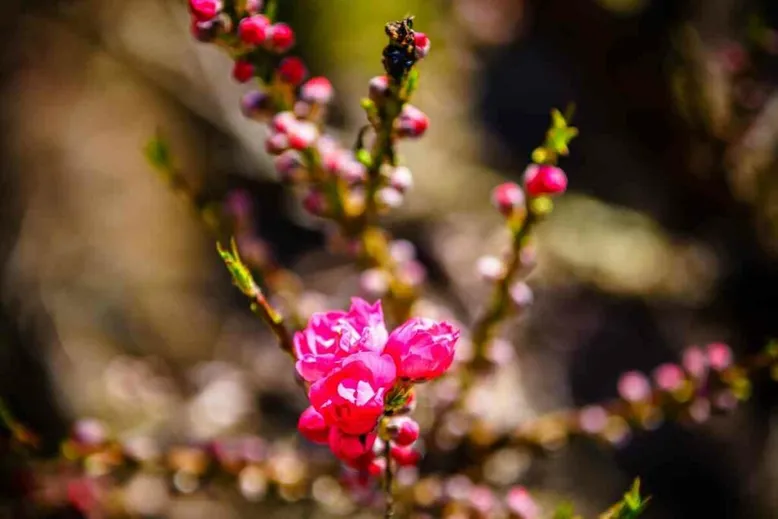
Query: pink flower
669	376
204	10
719	356
423	349
292	70
351	397
253	29
543	179
317	90
634	387
311	425
281	37
351	448
695	362
521	503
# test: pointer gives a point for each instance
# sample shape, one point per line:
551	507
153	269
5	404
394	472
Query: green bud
241	276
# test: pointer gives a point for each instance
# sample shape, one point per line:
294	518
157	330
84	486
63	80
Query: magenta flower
351	397
330	337
422	348
351	448
311	425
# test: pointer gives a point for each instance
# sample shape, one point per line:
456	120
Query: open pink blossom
422	348
351	397
330	337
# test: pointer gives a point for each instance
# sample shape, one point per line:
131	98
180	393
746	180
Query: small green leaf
241	276
560	134
630	507
364	157
411	83
565	511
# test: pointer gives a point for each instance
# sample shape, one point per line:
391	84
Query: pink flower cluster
353	364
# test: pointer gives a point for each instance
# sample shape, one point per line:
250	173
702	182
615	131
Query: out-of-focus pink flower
482	499
422	348
521	504
669	376
544	179
292	70
242	71
379	88
508	198
252	30
634	386
204	10
422	45
695	362
311	425
719	356
593	419
280	37
351	397
317	90
348	447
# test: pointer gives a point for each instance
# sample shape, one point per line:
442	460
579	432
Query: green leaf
560	134
630	507
241	276
565	511
411	83
364	157
157	152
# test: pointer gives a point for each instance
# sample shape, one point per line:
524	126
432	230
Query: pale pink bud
521	504
422	45
352	171
669	377
508	198
719	356
634	387
412	273
379	88
317	90
277	143
544	179
593	419
521	294
412	122
401	179
390	197
490	268
284	121
311	425
374	282
695	362
402	251
302	135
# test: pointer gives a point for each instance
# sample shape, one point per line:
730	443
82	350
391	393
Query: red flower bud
508	198
242	71
253	30
412	122
280	37
543	179
292	70
405	456
407	432
421	45
205	9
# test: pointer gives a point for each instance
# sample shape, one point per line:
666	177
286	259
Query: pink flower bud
407	432
634	387
351	170
374	282
257	105
521	504
592	419
317	90
314	203
669	377
292	70
390	197
242	71
412	122
694	362
405	456
422	45
543	179
422	349
402	251
719	356
276	143
490	268
379	88
521	295
302	135
412	273
289	166
89	431
204	10
482	500
401	179
377	467
253	6
508	198
283	121
280	37
311	425
253	29
349	447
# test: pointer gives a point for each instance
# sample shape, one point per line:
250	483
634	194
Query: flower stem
388	482
275	321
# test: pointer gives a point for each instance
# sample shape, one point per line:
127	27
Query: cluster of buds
361	381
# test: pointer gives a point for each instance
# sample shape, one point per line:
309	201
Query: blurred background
115	306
